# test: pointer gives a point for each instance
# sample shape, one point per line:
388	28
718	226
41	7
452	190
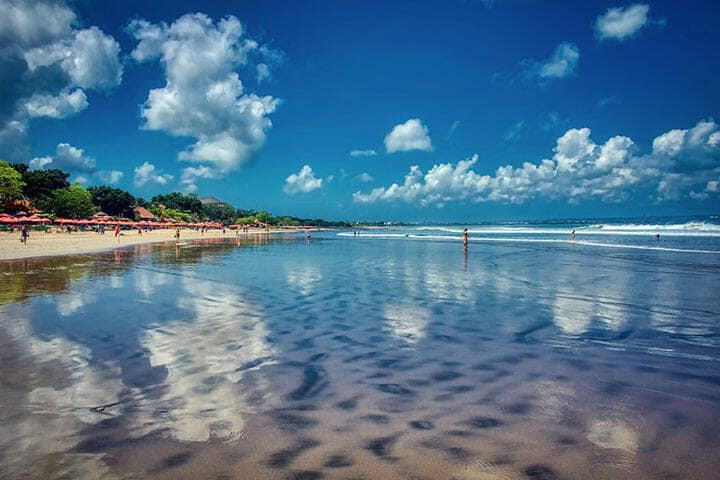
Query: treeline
50	192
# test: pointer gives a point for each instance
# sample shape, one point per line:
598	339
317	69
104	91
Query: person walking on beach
177	235
24	234
117	232
465	238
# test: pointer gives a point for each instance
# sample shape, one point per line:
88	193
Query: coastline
41	244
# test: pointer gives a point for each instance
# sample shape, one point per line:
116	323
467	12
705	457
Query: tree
112	201
178	201
72	202
265	217
220	213
41	183
11	184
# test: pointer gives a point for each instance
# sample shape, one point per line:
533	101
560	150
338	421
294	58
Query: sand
41	244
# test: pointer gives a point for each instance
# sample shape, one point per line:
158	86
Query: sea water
397	353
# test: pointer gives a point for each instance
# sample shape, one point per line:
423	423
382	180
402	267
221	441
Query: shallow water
345	357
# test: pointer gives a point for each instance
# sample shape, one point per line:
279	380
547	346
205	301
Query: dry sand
43	244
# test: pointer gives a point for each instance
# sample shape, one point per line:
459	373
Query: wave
454	238
689	229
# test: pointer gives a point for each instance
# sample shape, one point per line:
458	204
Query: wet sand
276	358
42	244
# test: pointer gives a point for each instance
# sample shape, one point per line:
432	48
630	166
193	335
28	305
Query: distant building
142	213
214	201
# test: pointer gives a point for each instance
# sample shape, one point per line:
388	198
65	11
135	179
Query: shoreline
41	244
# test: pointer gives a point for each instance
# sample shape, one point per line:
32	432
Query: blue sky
457	110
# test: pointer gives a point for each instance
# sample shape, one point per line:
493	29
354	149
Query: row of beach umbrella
35	219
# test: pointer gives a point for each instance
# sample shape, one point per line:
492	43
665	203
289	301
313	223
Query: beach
396	354
41	244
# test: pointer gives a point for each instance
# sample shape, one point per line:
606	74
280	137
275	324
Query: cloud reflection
209	358
304	278
613	434
408	323
59	402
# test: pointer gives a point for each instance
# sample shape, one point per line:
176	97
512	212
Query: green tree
11	184
41	183
245	220
265	217
112	201
220	213
71	202
178	201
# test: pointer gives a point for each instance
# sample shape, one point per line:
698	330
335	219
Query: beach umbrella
10	220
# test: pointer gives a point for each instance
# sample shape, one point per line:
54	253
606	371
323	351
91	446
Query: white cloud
561	64
190	176
411	135
67	158
46	65
64	104
451	131
682	161
75	161
39	163
263	72
111	177
363	153
34	23
203	97
365	177
302	182
513	133
147	173
620	23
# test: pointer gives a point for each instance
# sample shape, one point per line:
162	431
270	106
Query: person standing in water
465	238
177	234
572	235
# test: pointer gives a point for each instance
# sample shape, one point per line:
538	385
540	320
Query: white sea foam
455	238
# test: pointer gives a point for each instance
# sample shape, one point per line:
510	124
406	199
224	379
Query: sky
401	111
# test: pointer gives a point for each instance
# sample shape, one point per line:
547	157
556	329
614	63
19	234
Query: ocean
395	353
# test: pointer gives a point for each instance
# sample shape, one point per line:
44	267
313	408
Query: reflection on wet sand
263	362
206	354
54	388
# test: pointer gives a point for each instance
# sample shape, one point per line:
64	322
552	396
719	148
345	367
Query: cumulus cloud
47	64
67	158
190	176
75	161
112	177
561	64
365	177
204	97
681	162
64	104
363	153
147	173
302	182
411	135
620	23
